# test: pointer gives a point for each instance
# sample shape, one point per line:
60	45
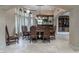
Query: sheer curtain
22	18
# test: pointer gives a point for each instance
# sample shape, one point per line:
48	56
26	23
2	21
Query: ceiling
36	7
44	9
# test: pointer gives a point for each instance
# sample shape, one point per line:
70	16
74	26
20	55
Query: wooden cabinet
46	19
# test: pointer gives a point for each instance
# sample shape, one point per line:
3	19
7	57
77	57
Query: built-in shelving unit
46	19
63	23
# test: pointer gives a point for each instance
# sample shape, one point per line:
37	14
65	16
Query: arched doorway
62	24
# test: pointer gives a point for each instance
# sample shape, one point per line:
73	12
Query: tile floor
59	45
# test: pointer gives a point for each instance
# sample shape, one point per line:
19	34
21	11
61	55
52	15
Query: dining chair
10	39
25	33
46	36
33	33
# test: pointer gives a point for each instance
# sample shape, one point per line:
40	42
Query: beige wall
6	17
74	28
10	20
2	29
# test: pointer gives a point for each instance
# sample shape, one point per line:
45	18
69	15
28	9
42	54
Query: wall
2	29
6	17
10	20
74	28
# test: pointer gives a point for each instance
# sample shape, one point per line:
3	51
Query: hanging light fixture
28	11
20	9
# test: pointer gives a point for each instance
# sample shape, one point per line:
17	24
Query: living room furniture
52	31
46	36
40	33
10	39
25	32
33	33
43	32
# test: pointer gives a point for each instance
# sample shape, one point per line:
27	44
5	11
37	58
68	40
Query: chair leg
7	44
30	40
46	39
54	37
49	40
17	40
22	37
28	37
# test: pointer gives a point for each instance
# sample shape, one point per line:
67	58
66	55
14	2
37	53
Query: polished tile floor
59	45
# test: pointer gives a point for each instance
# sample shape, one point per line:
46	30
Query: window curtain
21	19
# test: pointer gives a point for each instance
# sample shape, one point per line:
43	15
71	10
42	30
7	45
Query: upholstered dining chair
54	31
33	33
46	36
25	32
10	39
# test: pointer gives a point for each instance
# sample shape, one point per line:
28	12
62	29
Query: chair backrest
33	30
6	32
46	33
54	30
24	28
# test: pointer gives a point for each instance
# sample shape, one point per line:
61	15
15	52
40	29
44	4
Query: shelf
63	24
